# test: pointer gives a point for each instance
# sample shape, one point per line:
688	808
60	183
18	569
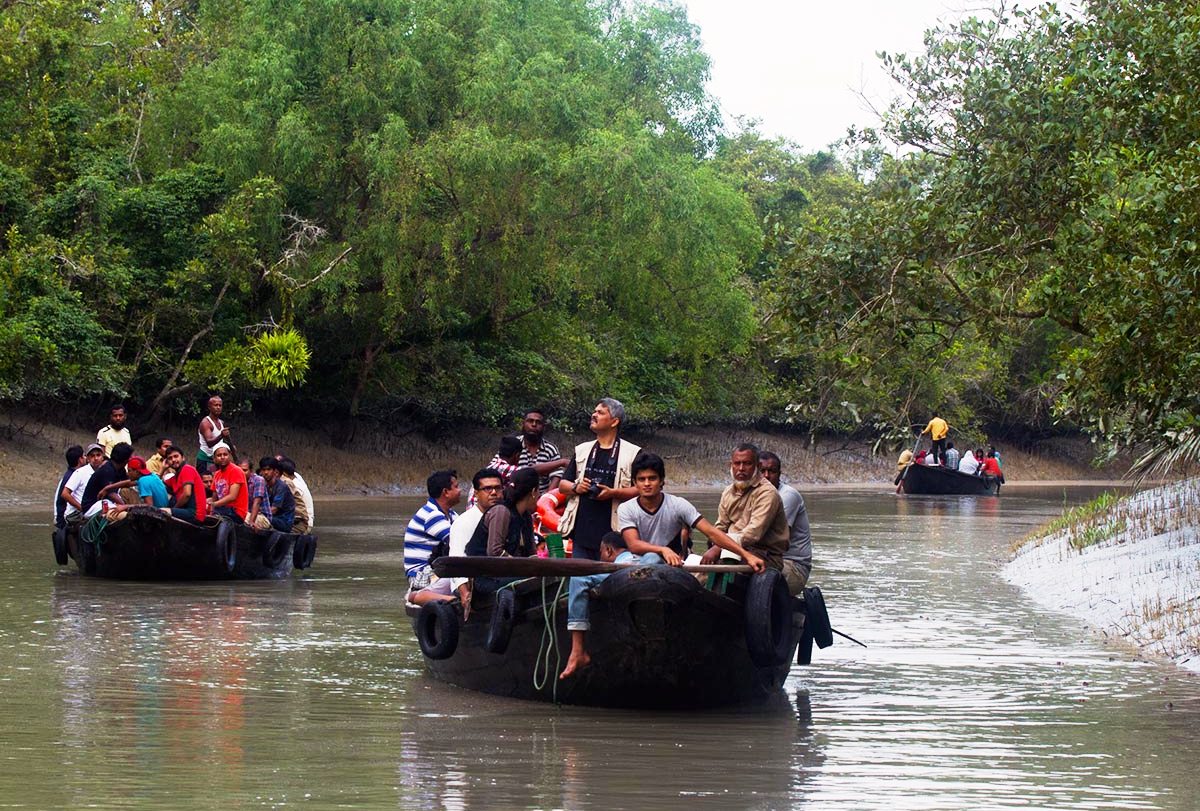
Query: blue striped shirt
428	526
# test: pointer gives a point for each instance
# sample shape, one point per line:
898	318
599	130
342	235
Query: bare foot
577	661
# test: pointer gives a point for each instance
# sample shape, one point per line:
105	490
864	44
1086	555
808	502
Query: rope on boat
93	530
549	643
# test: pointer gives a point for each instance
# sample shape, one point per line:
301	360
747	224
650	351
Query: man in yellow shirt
937	430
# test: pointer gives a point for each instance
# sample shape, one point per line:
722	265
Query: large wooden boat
928	480
659	639
148	544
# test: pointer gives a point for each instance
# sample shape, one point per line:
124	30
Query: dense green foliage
440	210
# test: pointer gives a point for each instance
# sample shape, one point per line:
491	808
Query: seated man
72	491
256	488
505	462
290	478
951	455
751	512
229	486
968	463
157	464
506	530
279	505
612	550
109	478
488	485
797	560
188	500
429	529
152	492
653	524
75	461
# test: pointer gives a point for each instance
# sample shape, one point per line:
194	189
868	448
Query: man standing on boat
797	560
598	478
429	527
212	429
751	511
115	431
937	430
538	453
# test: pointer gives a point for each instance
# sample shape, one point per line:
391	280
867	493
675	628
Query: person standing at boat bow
598	478
937	429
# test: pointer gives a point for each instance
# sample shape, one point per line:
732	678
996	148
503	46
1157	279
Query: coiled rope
541	668
93	530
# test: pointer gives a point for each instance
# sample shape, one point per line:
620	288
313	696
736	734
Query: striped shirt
546	452
428	527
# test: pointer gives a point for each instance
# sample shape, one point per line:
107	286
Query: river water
310	693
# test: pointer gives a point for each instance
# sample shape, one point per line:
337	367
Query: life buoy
275	548
304	551
550	509
768	619
817	617
504	614
226	548
60	546
437	630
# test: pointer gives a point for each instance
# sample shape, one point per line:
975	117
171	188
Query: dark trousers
226	512
939	449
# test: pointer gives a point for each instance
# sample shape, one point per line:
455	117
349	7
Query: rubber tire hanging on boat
504	614
275	548
804	649
768	619
304	551
60	546
817	617
437	630
226	545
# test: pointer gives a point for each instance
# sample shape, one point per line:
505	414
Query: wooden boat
659	638
927	480
148	544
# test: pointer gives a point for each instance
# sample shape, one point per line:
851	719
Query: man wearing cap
108	479
72	491
75	460
229	486
115	431
152	492
281	513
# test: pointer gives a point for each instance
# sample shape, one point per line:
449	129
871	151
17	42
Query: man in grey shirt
653	523
797	561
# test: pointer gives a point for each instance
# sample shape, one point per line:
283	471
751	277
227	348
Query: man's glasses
492	488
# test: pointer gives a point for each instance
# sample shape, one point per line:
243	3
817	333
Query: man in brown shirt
751	511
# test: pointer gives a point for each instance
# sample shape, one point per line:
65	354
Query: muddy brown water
310	693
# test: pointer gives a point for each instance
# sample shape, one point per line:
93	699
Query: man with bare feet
612	550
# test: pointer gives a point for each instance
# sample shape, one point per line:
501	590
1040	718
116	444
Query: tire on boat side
437	630
60	546
818	617
768	619
226	547
304	551
275	548
504	614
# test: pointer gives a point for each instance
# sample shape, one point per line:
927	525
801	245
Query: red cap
137	463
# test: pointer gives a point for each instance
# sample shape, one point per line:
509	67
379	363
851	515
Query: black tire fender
504	615
60	546
304	551
437	630
226	545
817	617
768	616
275	548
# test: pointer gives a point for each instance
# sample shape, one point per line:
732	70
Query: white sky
797	65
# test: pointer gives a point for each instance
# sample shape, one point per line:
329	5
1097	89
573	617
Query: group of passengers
943	453
108	479
615	510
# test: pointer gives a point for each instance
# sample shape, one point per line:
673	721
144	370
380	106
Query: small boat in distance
929	480
148	544
659	638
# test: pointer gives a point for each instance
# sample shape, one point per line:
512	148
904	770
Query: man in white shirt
489	491
72	491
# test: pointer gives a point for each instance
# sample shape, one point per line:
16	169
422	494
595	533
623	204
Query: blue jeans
577	592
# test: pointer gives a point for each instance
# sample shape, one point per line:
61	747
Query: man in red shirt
187	489
229	486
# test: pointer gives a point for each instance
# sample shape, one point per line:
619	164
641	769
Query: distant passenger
157	463
428	529
653	524
538	452
937	430
75	461
303	493
991	468
951	455
256	489
279	510
211	430
797	560
968	464
751	511
612	550
115	431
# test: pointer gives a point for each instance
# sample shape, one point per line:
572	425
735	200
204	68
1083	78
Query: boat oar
845	636
479	566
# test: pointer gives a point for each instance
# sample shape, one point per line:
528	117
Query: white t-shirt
460	533
661	527
77	484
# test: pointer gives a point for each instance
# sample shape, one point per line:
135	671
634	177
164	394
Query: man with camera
598	478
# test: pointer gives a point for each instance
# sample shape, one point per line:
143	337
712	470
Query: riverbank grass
1130	566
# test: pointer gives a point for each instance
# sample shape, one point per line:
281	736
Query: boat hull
927	480
150	545
658	639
